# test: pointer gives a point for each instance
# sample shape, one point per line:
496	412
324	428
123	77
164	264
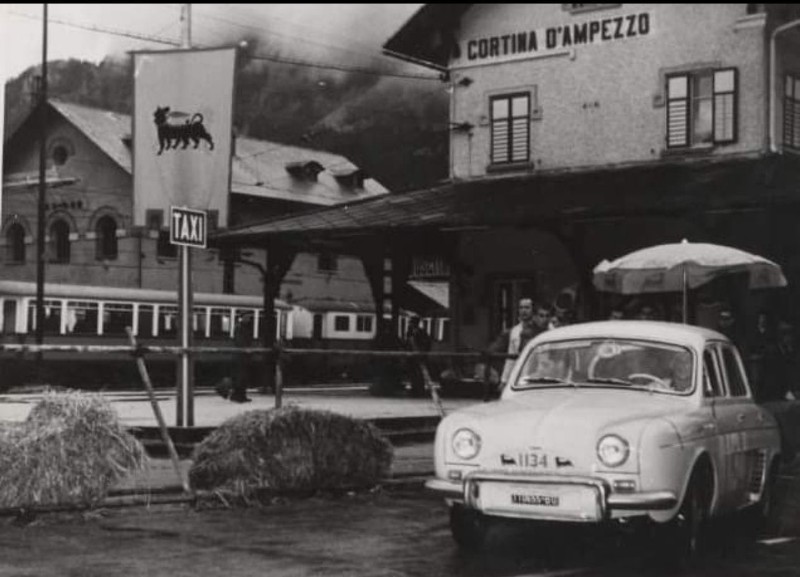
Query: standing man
417	340
243	338
514	340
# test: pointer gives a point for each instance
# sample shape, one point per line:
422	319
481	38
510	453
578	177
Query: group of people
770	351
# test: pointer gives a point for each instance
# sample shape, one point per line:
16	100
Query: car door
750	420
734	417
717	427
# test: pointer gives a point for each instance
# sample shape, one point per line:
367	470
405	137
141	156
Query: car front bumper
607	501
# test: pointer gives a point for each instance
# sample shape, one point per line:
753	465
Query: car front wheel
469	527
687	531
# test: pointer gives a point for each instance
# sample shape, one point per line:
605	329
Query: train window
167	320
52	317
364	323
220	322
240	313
82	318
9	317
145	326
341	323
117	316
199	317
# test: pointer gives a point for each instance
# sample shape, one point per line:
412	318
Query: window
791	112
106	230
511	124
711	381
364	323
82	318
327	262
341	323
52	317
145	327
701	108
734	371
59	239
167	321
15	243
221	324
116	317
199	317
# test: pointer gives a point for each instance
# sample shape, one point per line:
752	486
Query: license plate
540	501
536	500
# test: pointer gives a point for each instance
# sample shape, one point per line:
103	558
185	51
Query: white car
609	421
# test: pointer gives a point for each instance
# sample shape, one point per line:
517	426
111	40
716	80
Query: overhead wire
262	57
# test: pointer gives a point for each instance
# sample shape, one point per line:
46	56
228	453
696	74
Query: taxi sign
188	227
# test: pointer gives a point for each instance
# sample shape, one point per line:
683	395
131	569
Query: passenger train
89	315
99	315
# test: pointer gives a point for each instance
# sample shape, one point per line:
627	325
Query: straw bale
290	449
71	449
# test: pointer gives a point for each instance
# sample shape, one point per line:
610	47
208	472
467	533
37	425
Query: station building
90	238
581	132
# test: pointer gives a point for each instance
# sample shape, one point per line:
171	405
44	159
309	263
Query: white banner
183	107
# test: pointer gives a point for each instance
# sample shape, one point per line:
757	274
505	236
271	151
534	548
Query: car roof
649	330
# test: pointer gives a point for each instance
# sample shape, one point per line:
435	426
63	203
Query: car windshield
614	363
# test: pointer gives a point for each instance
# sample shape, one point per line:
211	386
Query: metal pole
40	224
685	297
185	396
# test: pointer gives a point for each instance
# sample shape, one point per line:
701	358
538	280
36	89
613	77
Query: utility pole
185	394
40	224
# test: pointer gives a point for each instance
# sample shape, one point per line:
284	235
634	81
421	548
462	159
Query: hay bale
71	449
290	449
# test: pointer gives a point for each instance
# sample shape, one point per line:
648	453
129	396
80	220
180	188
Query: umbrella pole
685	298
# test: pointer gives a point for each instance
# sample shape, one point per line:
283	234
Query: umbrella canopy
678	266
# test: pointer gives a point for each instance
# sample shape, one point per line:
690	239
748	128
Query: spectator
514	340
417	339
243	338
782	367
760	343
616	314
727	325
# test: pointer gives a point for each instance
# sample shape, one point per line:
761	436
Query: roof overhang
675	189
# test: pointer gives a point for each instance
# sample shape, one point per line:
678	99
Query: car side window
712	386
733	370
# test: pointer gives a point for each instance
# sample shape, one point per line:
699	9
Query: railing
279	355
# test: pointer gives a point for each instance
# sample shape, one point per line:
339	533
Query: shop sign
429	267
521	44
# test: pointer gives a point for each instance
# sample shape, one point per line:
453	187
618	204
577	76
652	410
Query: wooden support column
278	260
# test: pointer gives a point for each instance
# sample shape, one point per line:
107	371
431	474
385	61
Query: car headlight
466	444
613	450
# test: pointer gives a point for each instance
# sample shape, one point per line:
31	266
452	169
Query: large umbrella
681	266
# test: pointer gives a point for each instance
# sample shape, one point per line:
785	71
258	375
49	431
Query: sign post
187	228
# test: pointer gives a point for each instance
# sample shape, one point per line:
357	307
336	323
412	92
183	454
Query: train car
82	314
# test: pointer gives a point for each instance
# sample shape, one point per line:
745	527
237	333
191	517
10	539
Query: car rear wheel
469	527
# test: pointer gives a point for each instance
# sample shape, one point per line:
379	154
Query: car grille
758	465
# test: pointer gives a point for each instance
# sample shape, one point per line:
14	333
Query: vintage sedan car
612	421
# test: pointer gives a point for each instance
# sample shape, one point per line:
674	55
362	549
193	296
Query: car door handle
740	418
708	428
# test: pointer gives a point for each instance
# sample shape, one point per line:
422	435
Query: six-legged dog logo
171	134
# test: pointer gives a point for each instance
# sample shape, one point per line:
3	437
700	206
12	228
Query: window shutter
725	121
791	112
511	116
677	111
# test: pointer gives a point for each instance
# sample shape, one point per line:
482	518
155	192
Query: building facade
89	209
613	127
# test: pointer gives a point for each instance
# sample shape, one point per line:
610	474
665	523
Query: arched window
106	230
15	243
59	238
